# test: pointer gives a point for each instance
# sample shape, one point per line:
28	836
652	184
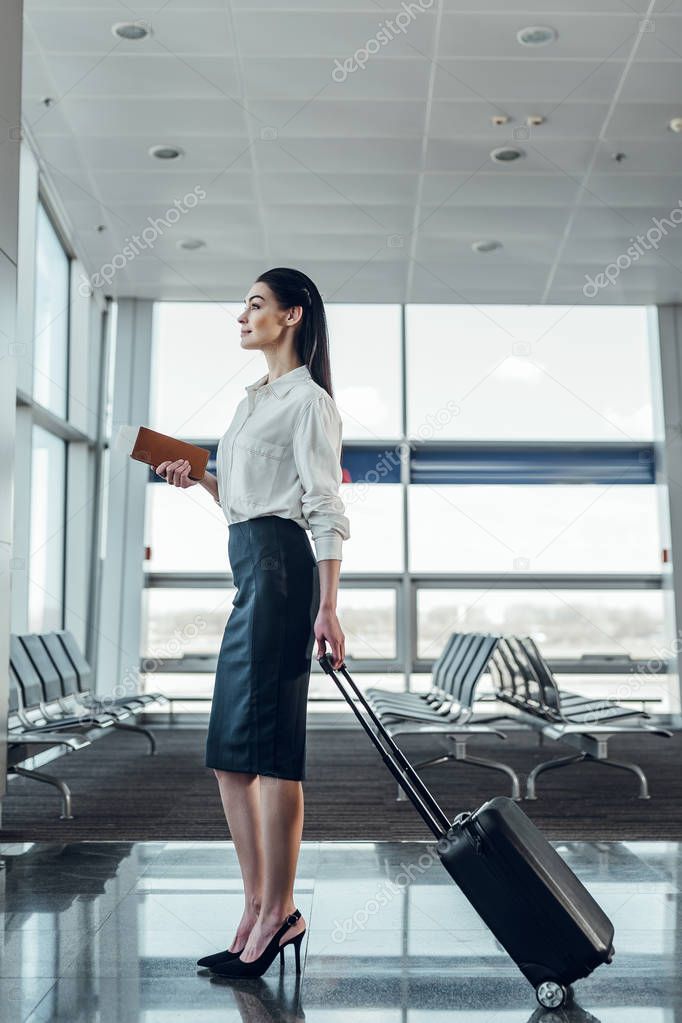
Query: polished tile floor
109	931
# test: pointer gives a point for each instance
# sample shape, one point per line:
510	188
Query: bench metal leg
402	797
549	765
600	756
66	814
139	728
633	768
461	756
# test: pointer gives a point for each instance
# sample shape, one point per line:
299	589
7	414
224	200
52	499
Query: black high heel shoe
219	957
238	968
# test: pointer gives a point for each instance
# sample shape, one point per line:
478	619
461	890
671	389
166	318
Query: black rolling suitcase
516	881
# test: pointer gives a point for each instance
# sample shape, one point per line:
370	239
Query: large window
51	322
46	558
528	372
565	622
550	528
199	368
499	475
366	368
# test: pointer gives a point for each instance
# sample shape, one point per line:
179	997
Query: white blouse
281	455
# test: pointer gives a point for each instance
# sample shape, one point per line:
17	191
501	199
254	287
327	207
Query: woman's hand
328	630
176	473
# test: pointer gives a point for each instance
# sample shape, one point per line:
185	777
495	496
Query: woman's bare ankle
252	905
246	924
276	914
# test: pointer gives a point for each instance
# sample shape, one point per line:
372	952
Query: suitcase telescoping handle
396	761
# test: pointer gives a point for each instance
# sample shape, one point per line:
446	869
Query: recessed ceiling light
676	125
486	245
506	154
133	30
166	152
191	244
536	35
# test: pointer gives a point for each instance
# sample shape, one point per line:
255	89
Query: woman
278	472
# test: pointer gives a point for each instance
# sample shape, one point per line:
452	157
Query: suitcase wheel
550	994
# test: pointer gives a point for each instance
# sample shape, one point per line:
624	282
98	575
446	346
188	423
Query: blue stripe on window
606	464
487	463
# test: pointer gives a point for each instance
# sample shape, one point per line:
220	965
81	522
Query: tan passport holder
153	448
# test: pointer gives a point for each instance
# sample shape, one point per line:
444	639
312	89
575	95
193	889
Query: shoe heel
297	949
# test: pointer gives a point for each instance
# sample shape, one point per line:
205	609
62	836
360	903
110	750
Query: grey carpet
120	793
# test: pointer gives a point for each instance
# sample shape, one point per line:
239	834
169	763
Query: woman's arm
327	628
210	482
317	452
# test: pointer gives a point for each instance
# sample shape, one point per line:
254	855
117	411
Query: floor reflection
111	931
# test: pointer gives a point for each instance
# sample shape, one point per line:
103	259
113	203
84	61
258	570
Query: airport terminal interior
488	196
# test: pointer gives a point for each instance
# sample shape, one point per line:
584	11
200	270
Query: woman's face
263	323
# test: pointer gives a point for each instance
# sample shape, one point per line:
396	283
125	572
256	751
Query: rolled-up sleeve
317	452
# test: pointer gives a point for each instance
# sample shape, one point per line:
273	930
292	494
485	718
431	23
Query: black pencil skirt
258	714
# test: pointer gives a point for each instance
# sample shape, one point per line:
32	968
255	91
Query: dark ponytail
292	287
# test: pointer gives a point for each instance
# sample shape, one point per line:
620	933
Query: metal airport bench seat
51	708
29	733
446	712
84	675
454	677
523	679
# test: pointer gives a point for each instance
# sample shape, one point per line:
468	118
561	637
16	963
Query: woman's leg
282	827
240	795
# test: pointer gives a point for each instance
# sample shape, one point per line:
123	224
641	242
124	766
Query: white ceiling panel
625	189
159	74
382	78
89	32
494	36
502	81
206	153
488	187
457	250
330	34
653	82
454	221
452	119
145	116
372	189
569	156
331	118
312	140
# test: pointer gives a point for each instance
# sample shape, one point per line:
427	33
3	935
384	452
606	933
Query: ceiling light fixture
132	30
536	35
166	152
506	154
486	245
191	244
676	125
